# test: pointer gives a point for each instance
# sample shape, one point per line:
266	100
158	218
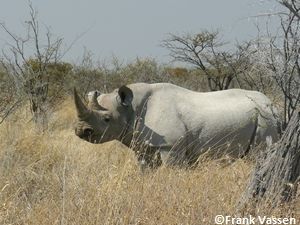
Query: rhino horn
93	103
82	110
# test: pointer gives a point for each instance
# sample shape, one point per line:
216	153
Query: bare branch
30	73
204	51
292	6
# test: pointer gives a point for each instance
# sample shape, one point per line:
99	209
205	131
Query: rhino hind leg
266	131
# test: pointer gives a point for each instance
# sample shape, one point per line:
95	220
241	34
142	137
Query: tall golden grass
56	178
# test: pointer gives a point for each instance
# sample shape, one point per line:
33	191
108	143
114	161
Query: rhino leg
148	157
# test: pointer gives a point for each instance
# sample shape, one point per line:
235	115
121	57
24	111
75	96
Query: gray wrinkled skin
169	123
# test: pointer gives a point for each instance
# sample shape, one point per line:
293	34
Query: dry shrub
56	178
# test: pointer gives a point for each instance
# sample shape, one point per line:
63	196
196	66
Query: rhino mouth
99	139
91	140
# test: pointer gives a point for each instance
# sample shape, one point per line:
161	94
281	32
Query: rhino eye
106	119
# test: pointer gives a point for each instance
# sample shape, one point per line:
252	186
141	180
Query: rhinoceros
166	123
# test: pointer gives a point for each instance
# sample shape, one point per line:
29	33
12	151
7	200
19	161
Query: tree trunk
277	173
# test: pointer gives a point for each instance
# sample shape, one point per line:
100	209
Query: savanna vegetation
50	176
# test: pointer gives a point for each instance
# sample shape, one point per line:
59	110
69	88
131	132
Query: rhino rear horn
93	103
81	109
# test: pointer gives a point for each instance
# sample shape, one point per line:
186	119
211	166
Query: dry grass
56	178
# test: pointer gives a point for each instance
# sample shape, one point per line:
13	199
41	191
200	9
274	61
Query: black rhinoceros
177	124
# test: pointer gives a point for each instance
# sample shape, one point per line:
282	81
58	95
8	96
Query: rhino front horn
81	109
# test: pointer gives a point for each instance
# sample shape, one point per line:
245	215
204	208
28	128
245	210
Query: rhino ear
81	109
125	96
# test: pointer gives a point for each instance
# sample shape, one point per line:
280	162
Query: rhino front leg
148	158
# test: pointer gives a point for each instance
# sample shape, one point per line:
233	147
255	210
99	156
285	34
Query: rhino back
173	111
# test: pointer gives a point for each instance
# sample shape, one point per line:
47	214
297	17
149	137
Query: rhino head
111	119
